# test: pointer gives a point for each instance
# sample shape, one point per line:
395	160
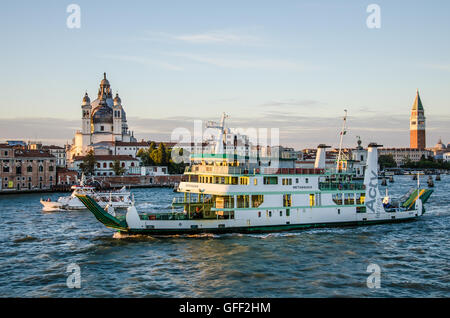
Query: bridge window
257	200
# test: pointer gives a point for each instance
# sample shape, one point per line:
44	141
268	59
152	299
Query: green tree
89	163
145	156
156	157
163	153
117	168
386	161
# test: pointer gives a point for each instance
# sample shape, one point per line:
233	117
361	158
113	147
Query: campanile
417	125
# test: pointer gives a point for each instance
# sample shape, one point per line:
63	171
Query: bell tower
117	118
86	110
417	125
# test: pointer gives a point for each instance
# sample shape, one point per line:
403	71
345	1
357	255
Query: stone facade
26	170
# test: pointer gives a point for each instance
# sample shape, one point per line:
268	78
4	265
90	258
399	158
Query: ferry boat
227	193
118	199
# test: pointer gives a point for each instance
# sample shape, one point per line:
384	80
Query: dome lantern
117	100
86	100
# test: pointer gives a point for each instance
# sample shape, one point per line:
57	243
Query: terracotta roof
132	144
52	147
65	170
108	158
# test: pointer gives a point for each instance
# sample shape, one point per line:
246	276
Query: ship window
257	200
348	199
259	214
287	201
242	201
339	211
337	198
281	213
296	180
270	213
306	180
311	199
244	180
270	180
288	212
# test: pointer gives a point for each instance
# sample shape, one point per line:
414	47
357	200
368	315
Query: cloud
296	129
290	103
440	67
144	61
225	36
221	36
243	63
47	130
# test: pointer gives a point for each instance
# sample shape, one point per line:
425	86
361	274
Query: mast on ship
343	132
221	127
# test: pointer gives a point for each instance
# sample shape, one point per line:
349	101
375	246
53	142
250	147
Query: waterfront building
446	156
102	120
58	152
26	170
401	155
65	176
105	164
439	150
154	171
417	125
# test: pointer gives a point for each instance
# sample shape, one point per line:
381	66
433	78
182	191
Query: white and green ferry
227	193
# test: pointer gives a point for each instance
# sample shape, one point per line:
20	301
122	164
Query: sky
291	65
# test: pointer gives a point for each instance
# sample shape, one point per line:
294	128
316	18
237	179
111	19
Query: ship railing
341	186
192	200
228	170
164	216
293	171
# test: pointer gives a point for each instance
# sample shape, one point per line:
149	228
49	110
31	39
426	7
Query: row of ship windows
269	213
246	180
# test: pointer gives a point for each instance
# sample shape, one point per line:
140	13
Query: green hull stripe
261	229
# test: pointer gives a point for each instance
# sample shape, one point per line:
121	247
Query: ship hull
262	229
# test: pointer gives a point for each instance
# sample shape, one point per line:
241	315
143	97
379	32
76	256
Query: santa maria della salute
104	122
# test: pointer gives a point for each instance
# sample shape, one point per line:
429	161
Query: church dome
102	115
439	145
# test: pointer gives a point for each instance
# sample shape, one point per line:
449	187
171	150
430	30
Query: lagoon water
36	248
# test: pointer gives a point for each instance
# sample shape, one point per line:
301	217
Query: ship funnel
373	198
321	156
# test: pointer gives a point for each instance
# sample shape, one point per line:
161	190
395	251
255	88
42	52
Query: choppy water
36	247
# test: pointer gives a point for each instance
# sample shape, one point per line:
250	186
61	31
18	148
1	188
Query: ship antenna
343	132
